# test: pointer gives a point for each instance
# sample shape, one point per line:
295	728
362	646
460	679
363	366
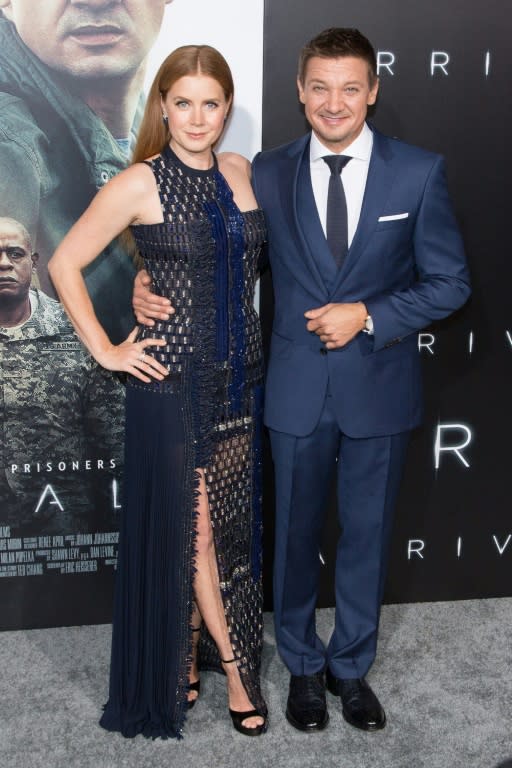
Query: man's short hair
335	43
7	221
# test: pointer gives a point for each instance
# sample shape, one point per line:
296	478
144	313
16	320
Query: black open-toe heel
196	685
238	717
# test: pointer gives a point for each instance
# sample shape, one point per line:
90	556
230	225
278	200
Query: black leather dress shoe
306	708
361	707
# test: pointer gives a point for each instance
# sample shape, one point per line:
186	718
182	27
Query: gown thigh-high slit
206	413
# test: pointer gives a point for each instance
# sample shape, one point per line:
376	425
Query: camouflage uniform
61	421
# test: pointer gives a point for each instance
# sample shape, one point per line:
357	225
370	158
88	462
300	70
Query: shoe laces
310	687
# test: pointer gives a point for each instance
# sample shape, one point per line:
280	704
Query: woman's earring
165	119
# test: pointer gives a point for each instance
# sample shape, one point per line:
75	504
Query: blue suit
349	411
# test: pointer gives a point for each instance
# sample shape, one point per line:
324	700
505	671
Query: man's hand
336	324
147	306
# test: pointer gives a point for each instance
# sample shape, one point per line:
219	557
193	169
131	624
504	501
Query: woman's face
196	108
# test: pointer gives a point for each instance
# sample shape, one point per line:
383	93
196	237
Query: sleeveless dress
205	414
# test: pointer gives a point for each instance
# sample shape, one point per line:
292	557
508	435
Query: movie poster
73	79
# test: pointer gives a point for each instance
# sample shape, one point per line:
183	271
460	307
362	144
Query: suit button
323	351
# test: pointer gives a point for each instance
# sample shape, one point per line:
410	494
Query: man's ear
5	6
372	96
300	89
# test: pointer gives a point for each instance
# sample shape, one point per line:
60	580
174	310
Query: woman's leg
193	676
209	603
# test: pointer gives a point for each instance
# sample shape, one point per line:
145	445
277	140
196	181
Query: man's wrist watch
368	325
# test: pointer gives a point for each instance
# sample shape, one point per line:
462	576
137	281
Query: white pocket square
394	217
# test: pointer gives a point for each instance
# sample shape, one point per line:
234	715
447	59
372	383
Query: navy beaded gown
205	414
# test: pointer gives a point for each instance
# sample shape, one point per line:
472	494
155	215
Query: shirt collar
360	148
43	320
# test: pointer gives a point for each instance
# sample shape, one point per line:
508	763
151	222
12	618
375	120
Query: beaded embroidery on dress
206	414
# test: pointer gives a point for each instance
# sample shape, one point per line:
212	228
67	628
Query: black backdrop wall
444	70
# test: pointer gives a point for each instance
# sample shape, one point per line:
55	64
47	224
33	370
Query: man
363	256
71	75
61	417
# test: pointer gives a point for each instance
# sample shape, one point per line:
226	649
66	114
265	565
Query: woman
190	539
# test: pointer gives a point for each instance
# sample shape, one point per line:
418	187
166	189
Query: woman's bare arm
126	199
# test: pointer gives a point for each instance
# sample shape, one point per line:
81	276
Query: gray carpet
443	674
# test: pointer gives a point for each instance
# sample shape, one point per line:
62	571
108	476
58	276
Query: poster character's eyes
14	254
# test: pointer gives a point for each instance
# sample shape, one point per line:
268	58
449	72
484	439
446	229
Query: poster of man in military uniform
61	414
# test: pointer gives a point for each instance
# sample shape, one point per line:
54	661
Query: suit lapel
317	252
293	198
381	174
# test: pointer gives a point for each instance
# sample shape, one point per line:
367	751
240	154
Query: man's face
336	94
88	38
16	262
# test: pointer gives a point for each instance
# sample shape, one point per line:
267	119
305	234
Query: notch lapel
381	175
317	252
300	217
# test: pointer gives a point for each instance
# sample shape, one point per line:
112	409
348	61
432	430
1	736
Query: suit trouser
368	477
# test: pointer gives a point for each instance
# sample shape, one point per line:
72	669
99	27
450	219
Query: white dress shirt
353	177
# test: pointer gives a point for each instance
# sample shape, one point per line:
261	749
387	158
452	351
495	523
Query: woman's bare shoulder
133	190
237	172
141	173
234	162
136	174
138	179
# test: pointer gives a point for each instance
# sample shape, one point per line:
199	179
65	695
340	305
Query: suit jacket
408	269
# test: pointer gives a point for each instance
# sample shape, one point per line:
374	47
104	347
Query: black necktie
337	226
